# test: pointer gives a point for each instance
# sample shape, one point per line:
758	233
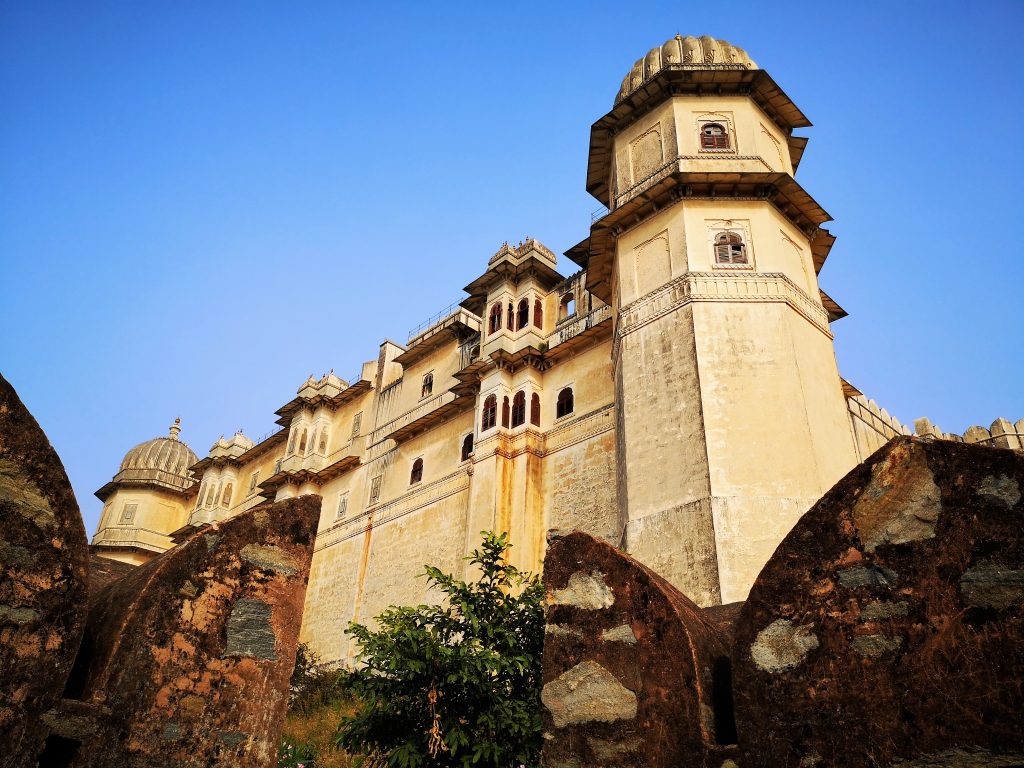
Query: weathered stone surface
907	577
43	576
191	653
634	675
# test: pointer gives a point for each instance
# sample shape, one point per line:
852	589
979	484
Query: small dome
684	52
161	454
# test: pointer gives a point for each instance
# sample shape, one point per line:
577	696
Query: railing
600	213
571	328
127	536
434	319
267	436
410	416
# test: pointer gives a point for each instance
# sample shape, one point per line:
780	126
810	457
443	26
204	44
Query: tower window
467	447
253	479
538	313
494	324
714	136
128	512
291	442
535	410
566	307
357	422
511	317
519	409
504	412
428	385
342	505
564	405
416	475
323	441
523	315
225	500
730	249
490	414
302	440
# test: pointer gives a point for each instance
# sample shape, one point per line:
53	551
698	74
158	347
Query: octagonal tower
732	420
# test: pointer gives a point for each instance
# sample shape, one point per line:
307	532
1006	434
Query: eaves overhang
835	312
684	79
289	409
596	253
505	271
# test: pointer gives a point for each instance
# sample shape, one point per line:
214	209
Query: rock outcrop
634	675
888	627
186	659
43	580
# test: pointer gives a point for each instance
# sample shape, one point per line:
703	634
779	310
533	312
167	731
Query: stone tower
731	416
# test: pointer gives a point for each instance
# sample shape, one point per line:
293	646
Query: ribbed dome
161	454
689	52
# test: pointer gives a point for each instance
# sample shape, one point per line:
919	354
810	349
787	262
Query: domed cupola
163	462
684	53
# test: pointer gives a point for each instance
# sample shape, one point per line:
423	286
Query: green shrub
456	684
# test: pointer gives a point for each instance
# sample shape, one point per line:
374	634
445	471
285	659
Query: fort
677	395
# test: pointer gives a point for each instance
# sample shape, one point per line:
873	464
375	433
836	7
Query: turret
731	415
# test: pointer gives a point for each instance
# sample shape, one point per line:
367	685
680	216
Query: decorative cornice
758	287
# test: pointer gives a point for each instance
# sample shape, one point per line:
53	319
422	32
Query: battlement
1002	433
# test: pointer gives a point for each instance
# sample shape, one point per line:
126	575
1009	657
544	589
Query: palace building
676	394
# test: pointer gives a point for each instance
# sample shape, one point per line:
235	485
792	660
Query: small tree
456	684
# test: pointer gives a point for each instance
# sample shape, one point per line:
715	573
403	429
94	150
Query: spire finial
175	428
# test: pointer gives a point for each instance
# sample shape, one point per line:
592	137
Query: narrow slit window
511	317
538	313
564	405
504	412
467	447
519	409
523	315
490	413
535	410
416	475
494	324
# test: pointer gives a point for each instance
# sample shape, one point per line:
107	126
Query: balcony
127	537
421	418
576	330
452	322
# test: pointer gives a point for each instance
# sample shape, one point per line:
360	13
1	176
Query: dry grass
316	728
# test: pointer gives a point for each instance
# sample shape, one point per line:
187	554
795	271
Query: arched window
291	442
523	315
519	409
538	313
535	410
566	307
323	440
225	500
210	490
495	320
467	447
417	472
511	317
504	412
564	404
490	414
714	136
730	249
302	440
428	385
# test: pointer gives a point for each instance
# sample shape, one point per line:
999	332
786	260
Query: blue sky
203	203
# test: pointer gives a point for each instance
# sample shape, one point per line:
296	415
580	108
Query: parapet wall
1002	433
873	427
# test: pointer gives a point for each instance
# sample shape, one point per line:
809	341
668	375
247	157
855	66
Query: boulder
888	627
634	675
43	580
187	659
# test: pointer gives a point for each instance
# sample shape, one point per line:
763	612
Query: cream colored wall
158	514
669	135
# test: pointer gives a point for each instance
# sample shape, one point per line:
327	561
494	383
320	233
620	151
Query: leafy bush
456	684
